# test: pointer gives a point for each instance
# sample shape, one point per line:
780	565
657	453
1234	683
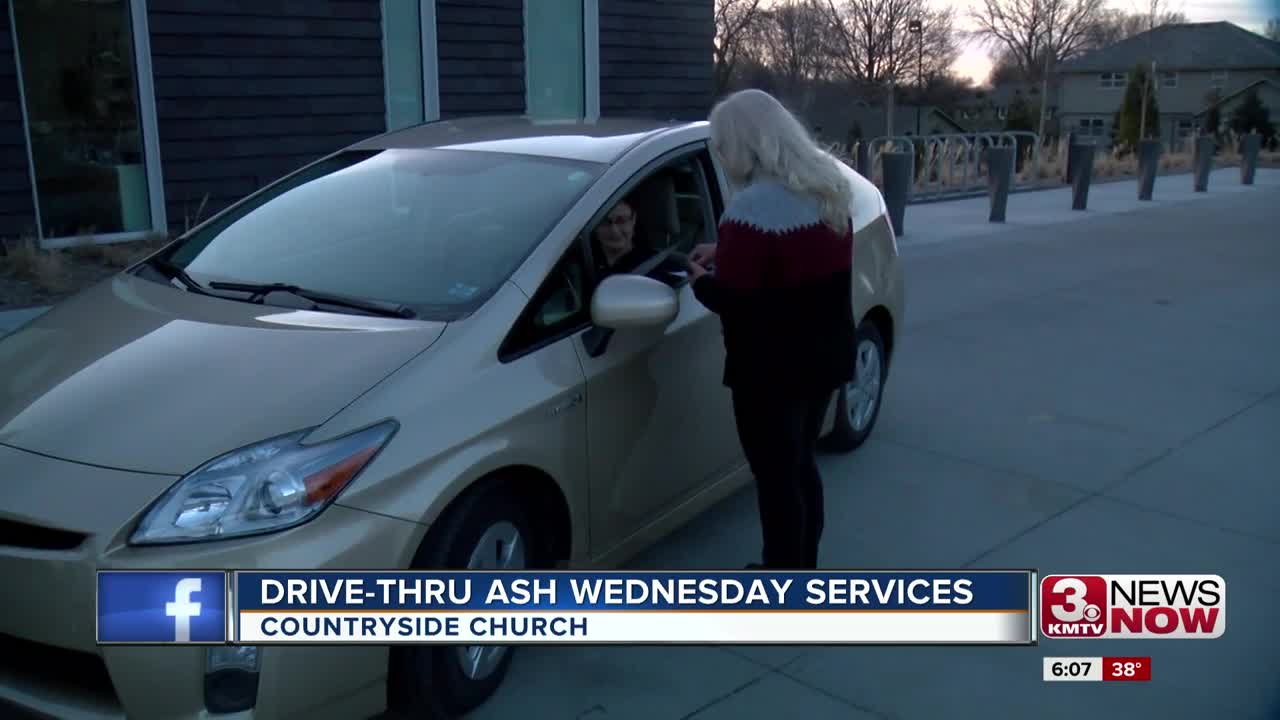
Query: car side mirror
633	301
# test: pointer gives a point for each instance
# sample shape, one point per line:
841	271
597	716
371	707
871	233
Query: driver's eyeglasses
619	221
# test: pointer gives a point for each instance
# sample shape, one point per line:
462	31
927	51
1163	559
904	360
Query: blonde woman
782	288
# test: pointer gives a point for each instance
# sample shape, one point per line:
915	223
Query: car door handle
568	404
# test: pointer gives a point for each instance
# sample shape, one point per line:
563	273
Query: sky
975	61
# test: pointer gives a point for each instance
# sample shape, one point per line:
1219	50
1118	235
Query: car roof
600	141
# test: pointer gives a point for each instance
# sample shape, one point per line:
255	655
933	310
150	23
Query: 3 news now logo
162	607
1133	606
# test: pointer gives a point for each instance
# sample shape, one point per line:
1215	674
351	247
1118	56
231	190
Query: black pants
779	434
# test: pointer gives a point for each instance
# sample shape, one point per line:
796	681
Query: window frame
1113	80
1166	76
1092	126
1219	78
520	340
144	99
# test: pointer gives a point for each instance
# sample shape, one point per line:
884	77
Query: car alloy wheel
863	394
501	547
487	528
858	402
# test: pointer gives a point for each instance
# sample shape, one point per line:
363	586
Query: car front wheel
858	402
487	530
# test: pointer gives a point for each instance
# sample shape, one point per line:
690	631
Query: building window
1218	79
1186	128
90	114
1093	127
1113	80
409	62
1169	79
555	58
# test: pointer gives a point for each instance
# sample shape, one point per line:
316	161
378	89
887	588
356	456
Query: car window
564	299
437	230
558	308
667	211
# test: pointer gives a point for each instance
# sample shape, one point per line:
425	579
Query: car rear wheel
858	402
487	530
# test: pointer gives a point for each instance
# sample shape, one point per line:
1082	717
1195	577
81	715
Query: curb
971	194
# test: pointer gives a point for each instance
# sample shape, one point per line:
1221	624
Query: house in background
840	122
987	108
125	118
1192	61
1268	91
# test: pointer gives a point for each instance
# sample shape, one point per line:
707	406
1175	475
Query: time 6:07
1074	669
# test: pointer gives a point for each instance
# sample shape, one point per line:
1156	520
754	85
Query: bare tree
1273	29
1116	25
873	42
735	22
796	41
1038	33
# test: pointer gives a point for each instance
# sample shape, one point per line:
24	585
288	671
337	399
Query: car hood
137	375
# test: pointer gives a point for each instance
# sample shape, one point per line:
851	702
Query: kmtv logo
1133	606
142	607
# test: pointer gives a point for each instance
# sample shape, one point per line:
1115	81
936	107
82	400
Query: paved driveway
1097	394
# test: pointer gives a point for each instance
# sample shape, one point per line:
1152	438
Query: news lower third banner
569	608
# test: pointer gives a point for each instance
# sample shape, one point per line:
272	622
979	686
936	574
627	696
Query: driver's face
618	228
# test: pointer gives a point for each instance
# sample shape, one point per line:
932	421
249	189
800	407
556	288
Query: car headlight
269	486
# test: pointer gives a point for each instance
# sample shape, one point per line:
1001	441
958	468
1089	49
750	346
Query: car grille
68	673
35	537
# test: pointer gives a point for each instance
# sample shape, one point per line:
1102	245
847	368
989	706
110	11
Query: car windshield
435	230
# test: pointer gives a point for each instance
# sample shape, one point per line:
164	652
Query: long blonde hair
755	137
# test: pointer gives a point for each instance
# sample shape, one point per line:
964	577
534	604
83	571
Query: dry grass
54	273
25	260
115	255
948	170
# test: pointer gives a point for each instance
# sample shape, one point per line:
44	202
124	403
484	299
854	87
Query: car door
659	421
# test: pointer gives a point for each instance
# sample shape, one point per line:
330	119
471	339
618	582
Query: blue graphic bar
140	607
622	591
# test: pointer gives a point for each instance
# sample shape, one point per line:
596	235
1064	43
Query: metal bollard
1202	163
1148	163
1250	146
862	159
897	184
1082	160
999	177
1069	177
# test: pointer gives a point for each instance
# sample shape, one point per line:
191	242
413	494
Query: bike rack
954	163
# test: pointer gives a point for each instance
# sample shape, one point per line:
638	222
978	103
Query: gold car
404	355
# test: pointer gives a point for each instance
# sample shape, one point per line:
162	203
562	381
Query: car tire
440	682
858	402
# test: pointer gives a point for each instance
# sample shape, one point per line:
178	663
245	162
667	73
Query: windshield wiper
173	272
259	291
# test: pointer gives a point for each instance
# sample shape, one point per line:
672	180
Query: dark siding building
17	214
480	46
149	116
654	57
248	91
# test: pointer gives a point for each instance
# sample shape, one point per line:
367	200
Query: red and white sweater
782	287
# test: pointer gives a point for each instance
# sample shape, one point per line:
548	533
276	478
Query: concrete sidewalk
946	221
1103	399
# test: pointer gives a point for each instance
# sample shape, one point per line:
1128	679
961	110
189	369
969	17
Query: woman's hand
695	271
704	254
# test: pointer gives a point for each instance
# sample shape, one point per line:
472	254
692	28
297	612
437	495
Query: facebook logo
162	607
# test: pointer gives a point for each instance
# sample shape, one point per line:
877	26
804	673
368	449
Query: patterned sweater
782	287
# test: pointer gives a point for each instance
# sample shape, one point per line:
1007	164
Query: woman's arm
741	258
